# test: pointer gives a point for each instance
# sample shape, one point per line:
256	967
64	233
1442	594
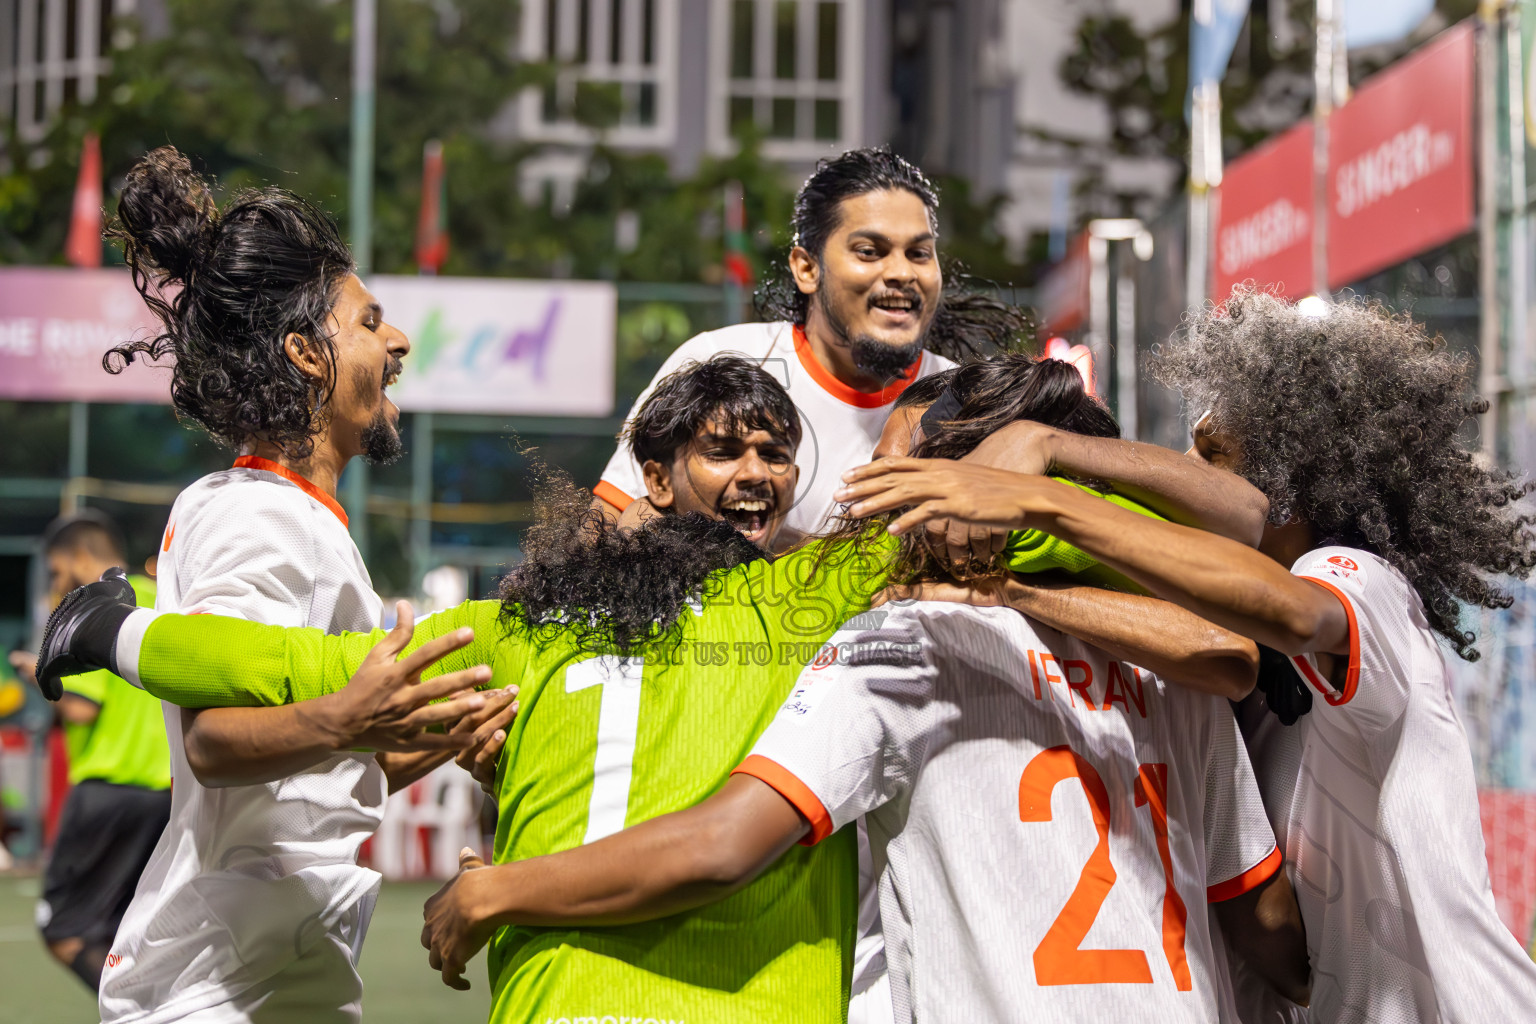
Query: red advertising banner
1400	160
1264	221
1064	289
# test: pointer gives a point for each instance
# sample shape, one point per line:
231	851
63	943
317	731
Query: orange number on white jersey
1059	960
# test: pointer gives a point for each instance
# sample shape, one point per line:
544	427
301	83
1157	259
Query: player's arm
1218	579
1180	488
1264	926
199	661
1157	635
664	866
386	706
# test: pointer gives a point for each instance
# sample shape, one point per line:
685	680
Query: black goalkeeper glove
82	631
1284	691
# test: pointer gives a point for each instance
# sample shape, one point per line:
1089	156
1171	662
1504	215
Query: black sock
88	964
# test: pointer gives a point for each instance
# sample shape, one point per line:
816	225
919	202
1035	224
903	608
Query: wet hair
924	390
586	582
87	530
740	394
818	204
971	322
1350	422
267	266
989	394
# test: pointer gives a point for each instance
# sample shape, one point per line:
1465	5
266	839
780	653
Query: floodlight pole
360	212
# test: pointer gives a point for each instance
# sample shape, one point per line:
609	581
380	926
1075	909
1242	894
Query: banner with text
1264	221
477	345
1400	160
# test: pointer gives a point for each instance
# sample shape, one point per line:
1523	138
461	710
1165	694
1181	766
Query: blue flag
1368	22
1213	29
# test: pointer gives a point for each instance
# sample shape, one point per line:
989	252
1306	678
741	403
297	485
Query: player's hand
454	930
637	513
386	706
1020	447
932	489
986	592
24	663
487	729
82	631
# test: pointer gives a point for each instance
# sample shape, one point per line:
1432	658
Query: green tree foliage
1142	79
260	94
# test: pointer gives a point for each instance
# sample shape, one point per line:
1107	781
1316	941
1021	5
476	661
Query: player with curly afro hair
1381	528
1351	423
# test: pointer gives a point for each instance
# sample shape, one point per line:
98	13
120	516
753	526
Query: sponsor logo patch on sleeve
1338	566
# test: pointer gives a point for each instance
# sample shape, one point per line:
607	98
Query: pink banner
56	324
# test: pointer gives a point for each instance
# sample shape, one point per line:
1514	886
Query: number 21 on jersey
618	724
1059	958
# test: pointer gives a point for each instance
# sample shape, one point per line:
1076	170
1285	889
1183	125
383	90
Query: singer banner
1264	221
1400	160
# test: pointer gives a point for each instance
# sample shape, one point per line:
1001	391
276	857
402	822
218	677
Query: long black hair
1350	422
268	266
604	589
971	321
986	396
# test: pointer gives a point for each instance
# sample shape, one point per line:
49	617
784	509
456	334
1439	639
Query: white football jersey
1048	823
253	898
841	426
1373	797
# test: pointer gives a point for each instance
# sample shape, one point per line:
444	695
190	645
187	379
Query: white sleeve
249	555
622	481
1379	605
1240	850
852	735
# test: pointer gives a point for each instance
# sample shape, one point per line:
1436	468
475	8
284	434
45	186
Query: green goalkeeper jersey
602	742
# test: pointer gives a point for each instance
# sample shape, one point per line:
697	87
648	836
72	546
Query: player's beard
881	360
605	589
380	439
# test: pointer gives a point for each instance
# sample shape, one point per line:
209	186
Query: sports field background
398	987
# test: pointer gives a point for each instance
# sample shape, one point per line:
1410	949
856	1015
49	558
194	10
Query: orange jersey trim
612	495
169	533
1249	880
793	790
1352	673
842	392
267	465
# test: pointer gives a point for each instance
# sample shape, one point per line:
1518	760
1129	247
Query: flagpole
1322	107
1517	369
1205	166
360	210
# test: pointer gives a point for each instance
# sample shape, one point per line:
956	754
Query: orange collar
267	465
842	392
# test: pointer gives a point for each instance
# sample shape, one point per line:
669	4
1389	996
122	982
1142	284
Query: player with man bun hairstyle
253	905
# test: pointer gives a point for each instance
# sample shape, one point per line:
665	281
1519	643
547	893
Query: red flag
738	268
432	226
83	247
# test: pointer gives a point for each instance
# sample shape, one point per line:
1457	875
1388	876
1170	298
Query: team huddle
878	679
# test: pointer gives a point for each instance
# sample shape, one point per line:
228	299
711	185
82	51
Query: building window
789	70
52	53
615	71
